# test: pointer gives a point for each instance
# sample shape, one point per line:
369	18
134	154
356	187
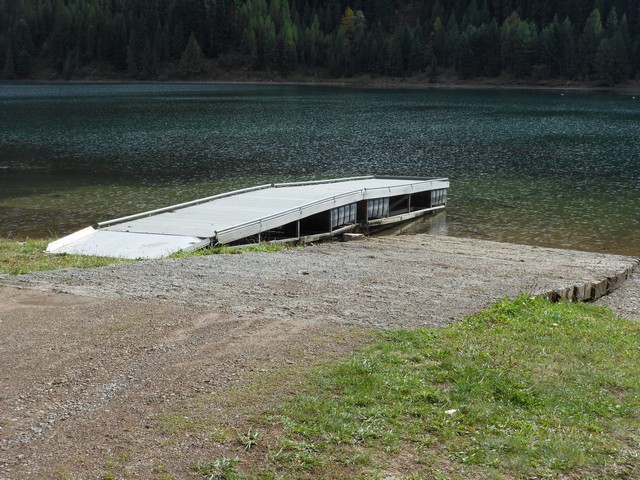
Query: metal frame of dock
284	212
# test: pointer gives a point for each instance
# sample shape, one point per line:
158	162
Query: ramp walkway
272	212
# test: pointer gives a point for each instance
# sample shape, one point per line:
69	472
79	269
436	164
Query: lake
552	168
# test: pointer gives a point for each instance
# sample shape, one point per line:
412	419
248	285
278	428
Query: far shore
416	82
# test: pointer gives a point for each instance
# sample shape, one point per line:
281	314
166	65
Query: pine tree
62	32
604	63
395	65
23	48
621	46
518	45
438	39
339	53
590	42
451	39
9	70
191	59
288	46
69	66
132	65
433	70
552	46
465	63
418	53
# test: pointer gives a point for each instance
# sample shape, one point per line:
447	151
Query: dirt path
98	366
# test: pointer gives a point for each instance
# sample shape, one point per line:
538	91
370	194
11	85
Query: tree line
588	40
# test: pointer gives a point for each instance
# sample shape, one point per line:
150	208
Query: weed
63	474
159	469
223	468
177	423
249	439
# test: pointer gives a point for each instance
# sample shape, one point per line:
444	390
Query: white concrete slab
104	243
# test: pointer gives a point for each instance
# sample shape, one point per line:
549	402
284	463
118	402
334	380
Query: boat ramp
284	212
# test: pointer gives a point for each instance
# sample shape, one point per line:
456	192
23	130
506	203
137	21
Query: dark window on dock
345	215
420	201
438	197
399	205
314	224
378	208
288	231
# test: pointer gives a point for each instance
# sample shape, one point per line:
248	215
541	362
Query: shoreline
360	82
490	269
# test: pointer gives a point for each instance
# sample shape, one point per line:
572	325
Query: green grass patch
17	257
235	249
26	256
222	468
525	389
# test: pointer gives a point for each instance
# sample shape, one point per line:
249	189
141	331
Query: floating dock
285	212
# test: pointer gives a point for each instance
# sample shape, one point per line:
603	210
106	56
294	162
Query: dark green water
558	169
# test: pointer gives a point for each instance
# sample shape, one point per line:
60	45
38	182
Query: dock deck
273	212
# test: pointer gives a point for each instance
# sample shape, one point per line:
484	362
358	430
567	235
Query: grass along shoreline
524	389
18	257
24	256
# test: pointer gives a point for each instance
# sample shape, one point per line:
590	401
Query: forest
594	41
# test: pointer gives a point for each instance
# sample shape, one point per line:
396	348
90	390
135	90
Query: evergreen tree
438	39
556	47
590	42
132	65
604	62
69	66
288	47
62	33
339	53
9	70
394	66
191	58
177	40
376	53
23	48
620	47
466	65
518	45
451	38
418	52
433	70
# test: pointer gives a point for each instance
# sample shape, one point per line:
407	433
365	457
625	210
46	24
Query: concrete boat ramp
283	212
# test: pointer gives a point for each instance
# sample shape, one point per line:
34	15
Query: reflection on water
434	224
530	167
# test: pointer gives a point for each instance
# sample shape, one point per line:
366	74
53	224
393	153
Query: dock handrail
191	203
286	212
317	202
318	182
418	180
